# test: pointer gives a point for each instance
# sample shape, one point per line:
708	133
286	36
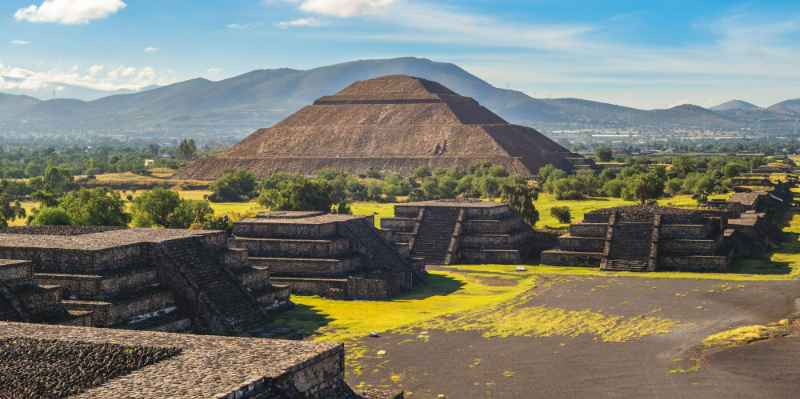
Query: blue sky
648	54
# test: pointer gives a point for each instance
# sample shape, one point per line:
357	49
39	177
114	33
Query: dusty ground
466	364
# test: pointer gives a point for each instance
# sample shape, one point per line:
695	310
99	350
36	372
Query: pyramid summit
392	123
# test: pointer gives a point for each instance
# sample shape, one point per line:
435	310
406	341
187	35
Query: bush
50	217
299	194
562	214
234	186
95	207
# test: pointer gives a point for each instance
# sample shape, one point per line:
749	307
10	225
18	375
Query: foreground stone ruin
394	124
447	232
40	361
340	256
147	279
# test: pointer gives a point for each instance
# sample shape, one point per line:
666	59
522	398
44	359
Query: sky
645	54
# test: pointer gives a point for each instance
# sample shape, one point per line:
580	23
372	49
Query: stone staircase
368	242
234	306
629	246
435	234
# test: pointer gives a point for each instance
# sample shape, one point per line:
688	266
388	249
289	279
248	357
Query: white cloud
96	77
69	12
151	50
300	23
243	26
430	22
19	42
344	8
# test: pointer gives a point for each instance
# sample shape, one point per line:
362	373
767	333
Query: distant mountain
12	105
234	107
736	105
791	107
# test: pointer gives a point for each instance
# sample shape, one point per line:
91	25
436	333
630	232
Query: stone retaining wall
285	230
589	230
294	248
709	264
688	247
563	258
581	244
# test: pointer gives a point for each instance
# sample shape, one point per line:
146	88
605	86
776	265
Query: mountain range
234	107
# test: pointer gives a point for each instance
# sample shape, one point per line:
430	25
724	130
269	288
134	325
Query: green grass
378	210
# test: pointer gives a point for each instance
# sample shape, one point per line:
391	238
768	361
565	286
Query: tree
9	210
95	207
234	186
190	214
187	150
154	207
520	198
299	194
50	217
604	154
644	187
562	214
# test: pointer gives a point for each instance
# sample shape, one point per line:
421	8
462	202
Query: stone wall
581	244
310	267
294	248
285	230
688	247
597	230
694	263
564	258
684	231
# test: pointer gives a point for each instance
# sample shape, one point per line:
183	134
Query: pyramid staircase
435	234
631	246
233	306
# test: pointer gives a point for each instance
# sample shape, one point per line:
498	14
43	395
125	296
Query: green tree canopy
50	217
234	186
95	207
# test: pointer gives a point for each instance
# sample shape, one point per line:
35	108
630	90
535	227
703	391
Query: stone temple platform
455	231
646	238
147	279
38	361
340	256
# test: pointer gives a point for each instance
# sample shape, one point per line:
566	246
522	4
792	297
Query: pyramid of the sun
394	124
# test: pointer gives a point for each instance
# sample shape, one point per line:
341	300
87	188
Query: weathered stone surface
392	123
130	364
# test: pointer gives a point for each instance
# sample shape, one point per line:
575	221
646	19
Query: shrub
562	214
234	186
50	217
95	207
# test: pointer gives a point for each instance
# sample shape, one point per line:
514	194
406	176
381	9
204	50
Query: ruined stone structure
339	256
393	124
645	238
446	232
149	279
40	361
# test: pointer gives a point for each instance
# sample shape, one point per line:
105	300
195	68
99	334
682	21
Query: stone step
122	310
13	272
557	257
309	267
271	247
101	287
172	321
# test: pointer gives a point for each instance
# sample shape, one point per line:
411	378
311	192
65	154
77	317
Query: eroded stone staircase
234	306
435	234
630	246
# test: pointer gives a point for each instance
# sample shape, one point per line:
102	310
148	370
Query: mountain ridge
238	105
